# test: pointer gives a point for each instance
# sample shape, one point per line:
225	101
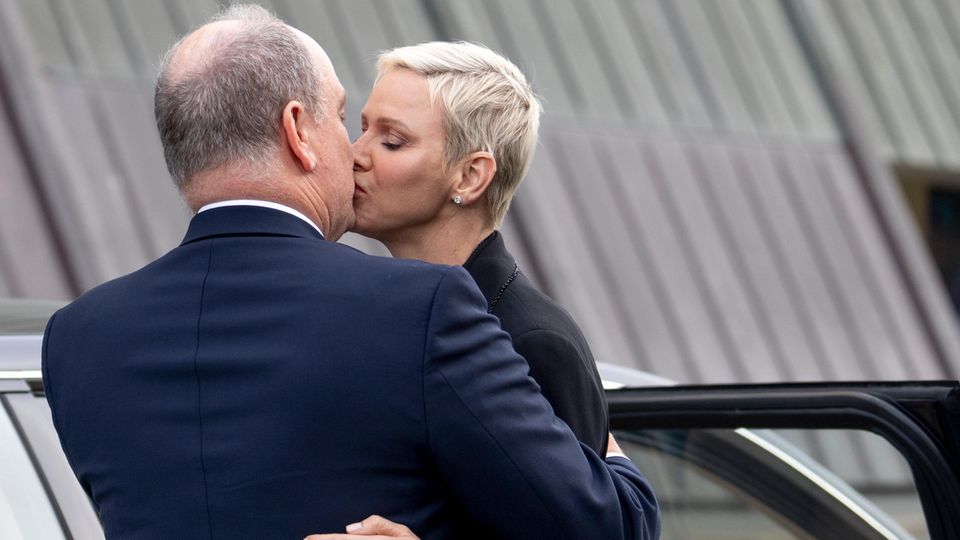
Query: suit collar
261	203
491	265
247	220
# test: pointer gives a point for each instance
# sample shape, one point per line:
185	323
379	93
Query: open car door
832	460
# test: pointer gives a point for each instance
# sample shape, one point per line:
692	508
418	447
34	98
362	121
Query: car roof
614	377
21	329
24	317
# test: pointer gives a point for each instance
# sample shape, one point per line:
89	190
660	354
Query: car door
851	461
39	495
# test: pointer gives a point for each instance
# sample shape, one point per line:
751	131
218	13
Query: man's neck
202	192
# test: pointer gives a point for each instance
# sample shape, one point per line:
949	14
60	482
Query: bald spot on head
198	48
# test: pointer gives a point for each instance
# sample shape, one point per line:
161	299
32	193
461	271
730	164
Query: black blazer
548	337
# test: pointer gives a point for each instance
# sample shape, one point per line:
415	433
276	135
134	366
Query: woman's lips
358	189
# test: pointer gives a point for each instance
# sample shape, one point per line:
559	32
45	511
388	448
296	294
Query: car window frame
919	419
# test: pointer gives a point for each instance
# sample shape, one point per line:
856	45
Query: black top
547	336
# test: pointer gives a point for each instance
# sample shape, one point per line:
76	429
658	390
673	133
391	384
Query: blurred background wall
725	191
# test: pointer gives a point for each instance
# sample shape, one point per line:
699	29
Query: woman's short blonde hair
487	105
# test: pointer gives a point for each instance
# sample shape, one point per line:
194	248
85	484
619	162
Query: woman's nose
360	159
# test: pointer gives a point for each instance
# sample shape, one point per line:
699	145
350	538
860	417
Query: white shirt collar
263	204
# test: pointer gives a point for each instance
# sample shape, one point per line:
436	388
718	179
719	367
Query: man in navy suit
262	381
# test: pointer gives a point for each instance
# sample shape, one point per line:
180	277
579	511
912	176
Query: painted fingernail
354	527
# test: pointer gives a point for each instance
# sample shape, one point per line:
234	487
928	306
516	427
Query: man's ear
296	135
476	173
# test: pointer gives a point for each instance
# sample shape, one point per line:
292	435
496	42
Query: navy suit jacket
260	382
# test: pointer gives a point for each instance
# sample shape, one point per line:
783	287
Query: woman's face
400	184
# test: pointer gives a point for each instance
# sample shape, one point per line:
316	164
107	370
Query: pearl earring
457	200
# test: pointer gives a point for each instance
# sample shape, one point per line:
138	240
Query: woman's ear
296	134
476	173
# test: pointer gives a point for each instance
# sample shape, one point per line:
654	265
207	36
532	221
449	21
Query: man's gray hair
226	107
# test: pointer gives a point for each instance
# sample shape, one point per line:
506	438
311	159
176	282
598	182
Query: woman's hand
374	527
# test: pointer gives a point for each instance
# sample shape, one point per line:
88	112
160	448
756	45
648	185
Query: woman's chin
363	227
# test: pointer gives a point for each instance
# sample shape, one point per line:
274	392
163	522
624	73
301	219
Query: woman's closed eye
393	142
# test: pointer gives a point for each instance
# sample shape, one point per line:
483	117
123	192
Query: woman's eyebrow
386	120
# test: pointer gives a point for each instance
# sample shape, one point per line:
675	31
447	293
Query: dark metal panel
159	215
407	20
706	237
875	354
46	144
706	55
682	99
833	312
675	329
315	19
147	31
943	54
949	14
749	68
358	39
912	67
801	270
511	29
790	70
822	38
583	67
622	61
523	40
626	280
805	354
870	51
111	240
111	121
659	200
47	39
561	246
353	33
370	32
90	32
30	262
468	20
727	181
198	11
900	319
463	20
724	348
692	257
768	282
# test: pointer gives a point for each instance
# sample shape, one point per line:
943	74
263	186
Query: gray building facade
725	190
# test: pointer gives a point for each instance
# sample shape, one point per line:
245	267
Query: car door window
25	509
758	484
32	414
870	465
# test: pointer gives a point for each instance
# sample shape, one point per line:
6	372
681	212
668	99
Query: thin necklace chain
503	288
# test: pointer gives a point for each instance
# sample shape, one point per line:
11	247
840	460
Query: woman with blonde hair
449	132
